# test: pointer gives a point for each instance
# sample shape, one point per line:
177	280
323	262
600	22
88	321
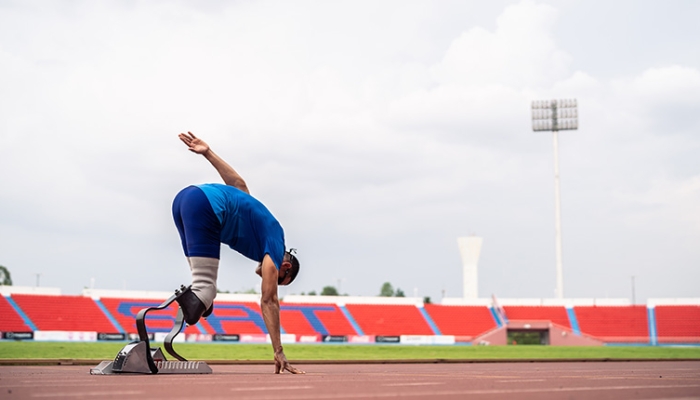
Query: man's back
247	226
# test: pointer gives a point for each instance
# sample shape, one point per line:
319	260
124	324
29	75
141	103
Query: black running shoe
192	307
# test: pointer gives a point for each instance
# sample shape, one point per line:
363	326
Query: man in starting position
210	214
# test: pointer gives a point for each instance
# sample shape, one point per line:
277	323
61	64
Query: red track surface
586	380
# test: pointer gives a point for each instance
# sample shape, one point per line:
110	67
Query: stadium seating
389	320
10	321
614	323
611	324
678	324
124	311
64	313
235	318
555	314
468	321
310	319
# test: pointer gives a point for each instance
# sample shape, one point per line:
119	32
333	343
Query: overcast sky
378	132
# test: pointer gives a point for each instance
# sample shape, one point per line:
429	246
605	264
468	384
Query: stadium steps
554	314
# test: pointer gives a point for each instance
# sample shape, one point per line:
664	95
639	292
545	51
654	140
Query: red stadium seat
555	314
10	321
467	321
124	312
389	320
614	323
235	318
678	324
64	313
300	318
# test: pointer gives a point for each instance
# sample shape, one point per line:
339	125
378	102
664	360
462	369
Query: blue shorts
199	228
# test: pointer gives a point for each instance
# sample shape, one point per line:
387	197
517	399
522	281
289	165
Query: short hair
294	271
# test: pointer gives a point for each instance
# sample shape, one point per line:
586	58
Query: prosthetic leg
139	357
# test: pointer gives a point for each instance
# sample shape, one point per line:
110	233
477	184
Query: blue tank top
247	226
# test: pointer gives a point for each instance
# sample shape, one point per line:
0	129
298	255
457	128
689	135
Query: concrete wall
9	290
558	335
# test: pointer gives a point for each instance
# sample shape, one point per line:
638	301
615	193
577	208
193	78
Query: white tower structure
470	248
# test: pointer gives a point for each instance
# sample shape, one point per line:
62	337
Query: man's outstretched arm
270	305
228	174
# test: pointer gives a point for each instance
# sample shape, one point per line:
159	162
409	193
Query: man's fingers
185	139
278	367
293	370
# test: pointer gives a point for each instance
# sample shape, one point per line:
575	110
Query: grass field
322	352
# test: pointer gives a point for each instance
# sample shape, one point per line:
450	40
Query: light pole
340	281
555	116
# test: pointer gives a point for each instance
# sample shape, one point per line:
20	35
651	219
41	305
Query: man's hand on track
281	364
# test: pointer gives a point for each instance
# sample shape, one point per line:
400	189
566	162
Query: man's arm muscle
270	305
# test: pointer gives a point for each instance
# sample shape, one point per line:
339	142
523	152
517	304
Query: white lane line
89	394
677	398
265	389
609	378
434	394
414	384
520	380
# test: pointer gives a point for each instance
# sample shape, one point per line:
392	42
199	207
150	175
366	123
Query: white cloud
372	127
667	98
674	202
520	53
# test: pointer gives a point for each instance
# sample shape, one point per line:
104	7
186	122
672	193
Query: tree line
387	290
5	277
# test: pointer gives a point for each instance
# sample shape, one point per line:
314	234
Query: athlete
210	214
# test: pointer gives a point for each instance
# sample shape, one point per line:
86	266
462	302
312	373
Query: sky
377	132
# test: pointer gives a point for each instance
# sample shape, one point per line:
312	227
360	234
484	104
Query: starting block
138	357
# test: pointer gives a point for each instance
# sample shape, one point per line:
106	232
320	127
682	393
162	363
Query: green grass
216	351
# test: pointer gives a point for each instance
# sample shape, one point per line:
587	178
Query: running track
551	380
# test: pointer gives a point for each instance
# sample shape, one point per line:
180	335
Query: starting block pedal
138	357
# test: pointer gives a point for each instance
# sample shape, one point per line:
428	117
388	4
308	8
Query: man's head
289	269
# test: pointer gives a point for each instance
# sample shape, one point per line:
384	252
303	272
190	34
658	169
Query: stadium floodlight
555	116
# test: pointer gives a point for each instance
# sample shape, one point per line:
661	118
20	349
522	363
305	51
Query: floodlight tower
555	116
